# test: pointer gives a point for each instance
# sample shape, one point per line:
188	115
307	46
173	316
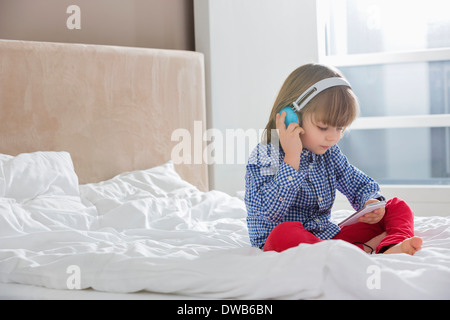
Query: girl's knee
397	203
288	235
399	206
288	227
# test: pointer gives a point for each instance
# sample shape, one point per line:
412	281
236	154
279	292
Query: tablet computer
353	218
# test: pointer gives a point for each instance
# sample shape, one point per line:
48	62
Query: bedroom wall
165	24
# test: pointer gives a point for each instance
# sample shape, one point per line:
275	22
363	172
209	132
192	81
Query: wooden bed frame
113	109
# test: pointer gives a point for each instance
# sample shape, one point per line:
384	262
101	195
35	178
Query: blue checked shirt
275	192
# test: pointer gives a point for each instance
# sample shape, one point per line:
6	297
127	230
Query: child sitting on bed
292	177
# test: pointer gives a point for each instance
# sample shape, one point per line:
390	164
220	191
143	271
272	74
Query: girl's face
319	137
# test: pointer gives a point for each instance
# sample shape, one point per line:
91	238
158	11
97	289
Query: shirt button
320	199
290	178
317	220
280	199
310	166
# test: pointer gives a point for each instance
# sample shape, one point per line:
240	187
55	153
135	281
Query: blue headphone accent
291	116
305	97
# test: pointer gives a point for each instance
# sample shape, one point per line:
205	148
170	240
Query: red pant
398	222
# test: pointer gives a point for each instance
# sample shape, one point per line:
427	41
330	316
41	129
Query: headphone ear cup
291	116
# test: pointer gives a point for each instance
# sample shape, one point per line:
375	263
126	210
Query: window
396	55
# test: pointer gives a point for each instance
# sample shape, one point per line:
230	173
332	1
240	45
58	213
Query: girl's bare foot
409	246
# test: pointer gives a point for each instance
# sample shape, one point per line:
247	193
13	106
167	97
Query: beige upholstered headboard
112	108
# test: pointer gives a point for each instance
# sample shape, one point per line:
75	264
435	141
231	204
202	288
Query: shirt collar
308	156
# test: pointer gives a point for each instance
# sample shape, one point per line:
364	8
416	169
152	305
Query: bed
93	205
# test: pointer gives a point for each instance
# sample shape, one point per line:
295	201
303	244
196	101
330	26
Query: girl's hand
290	140
374	216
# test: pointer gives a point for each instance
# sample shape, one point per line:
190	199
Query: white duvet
150	230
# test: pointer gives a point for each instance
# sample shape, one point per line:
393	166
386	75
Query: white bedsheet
150	230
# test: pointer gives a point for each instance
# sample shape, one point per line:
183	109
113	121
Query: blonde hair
335	106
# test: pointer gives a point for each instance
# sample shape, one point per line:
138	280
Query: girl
292	177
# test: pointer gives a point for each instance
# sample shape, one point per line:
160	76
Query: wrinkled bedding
150	230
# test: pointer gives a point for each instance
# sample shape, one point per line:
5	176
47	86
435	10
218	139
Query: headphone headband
317	88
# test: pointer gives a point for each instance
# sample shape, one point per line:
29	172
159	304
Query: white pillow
29	175
158	182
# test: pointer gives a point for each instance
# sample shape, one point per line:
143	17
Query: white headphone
311	92
317	88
